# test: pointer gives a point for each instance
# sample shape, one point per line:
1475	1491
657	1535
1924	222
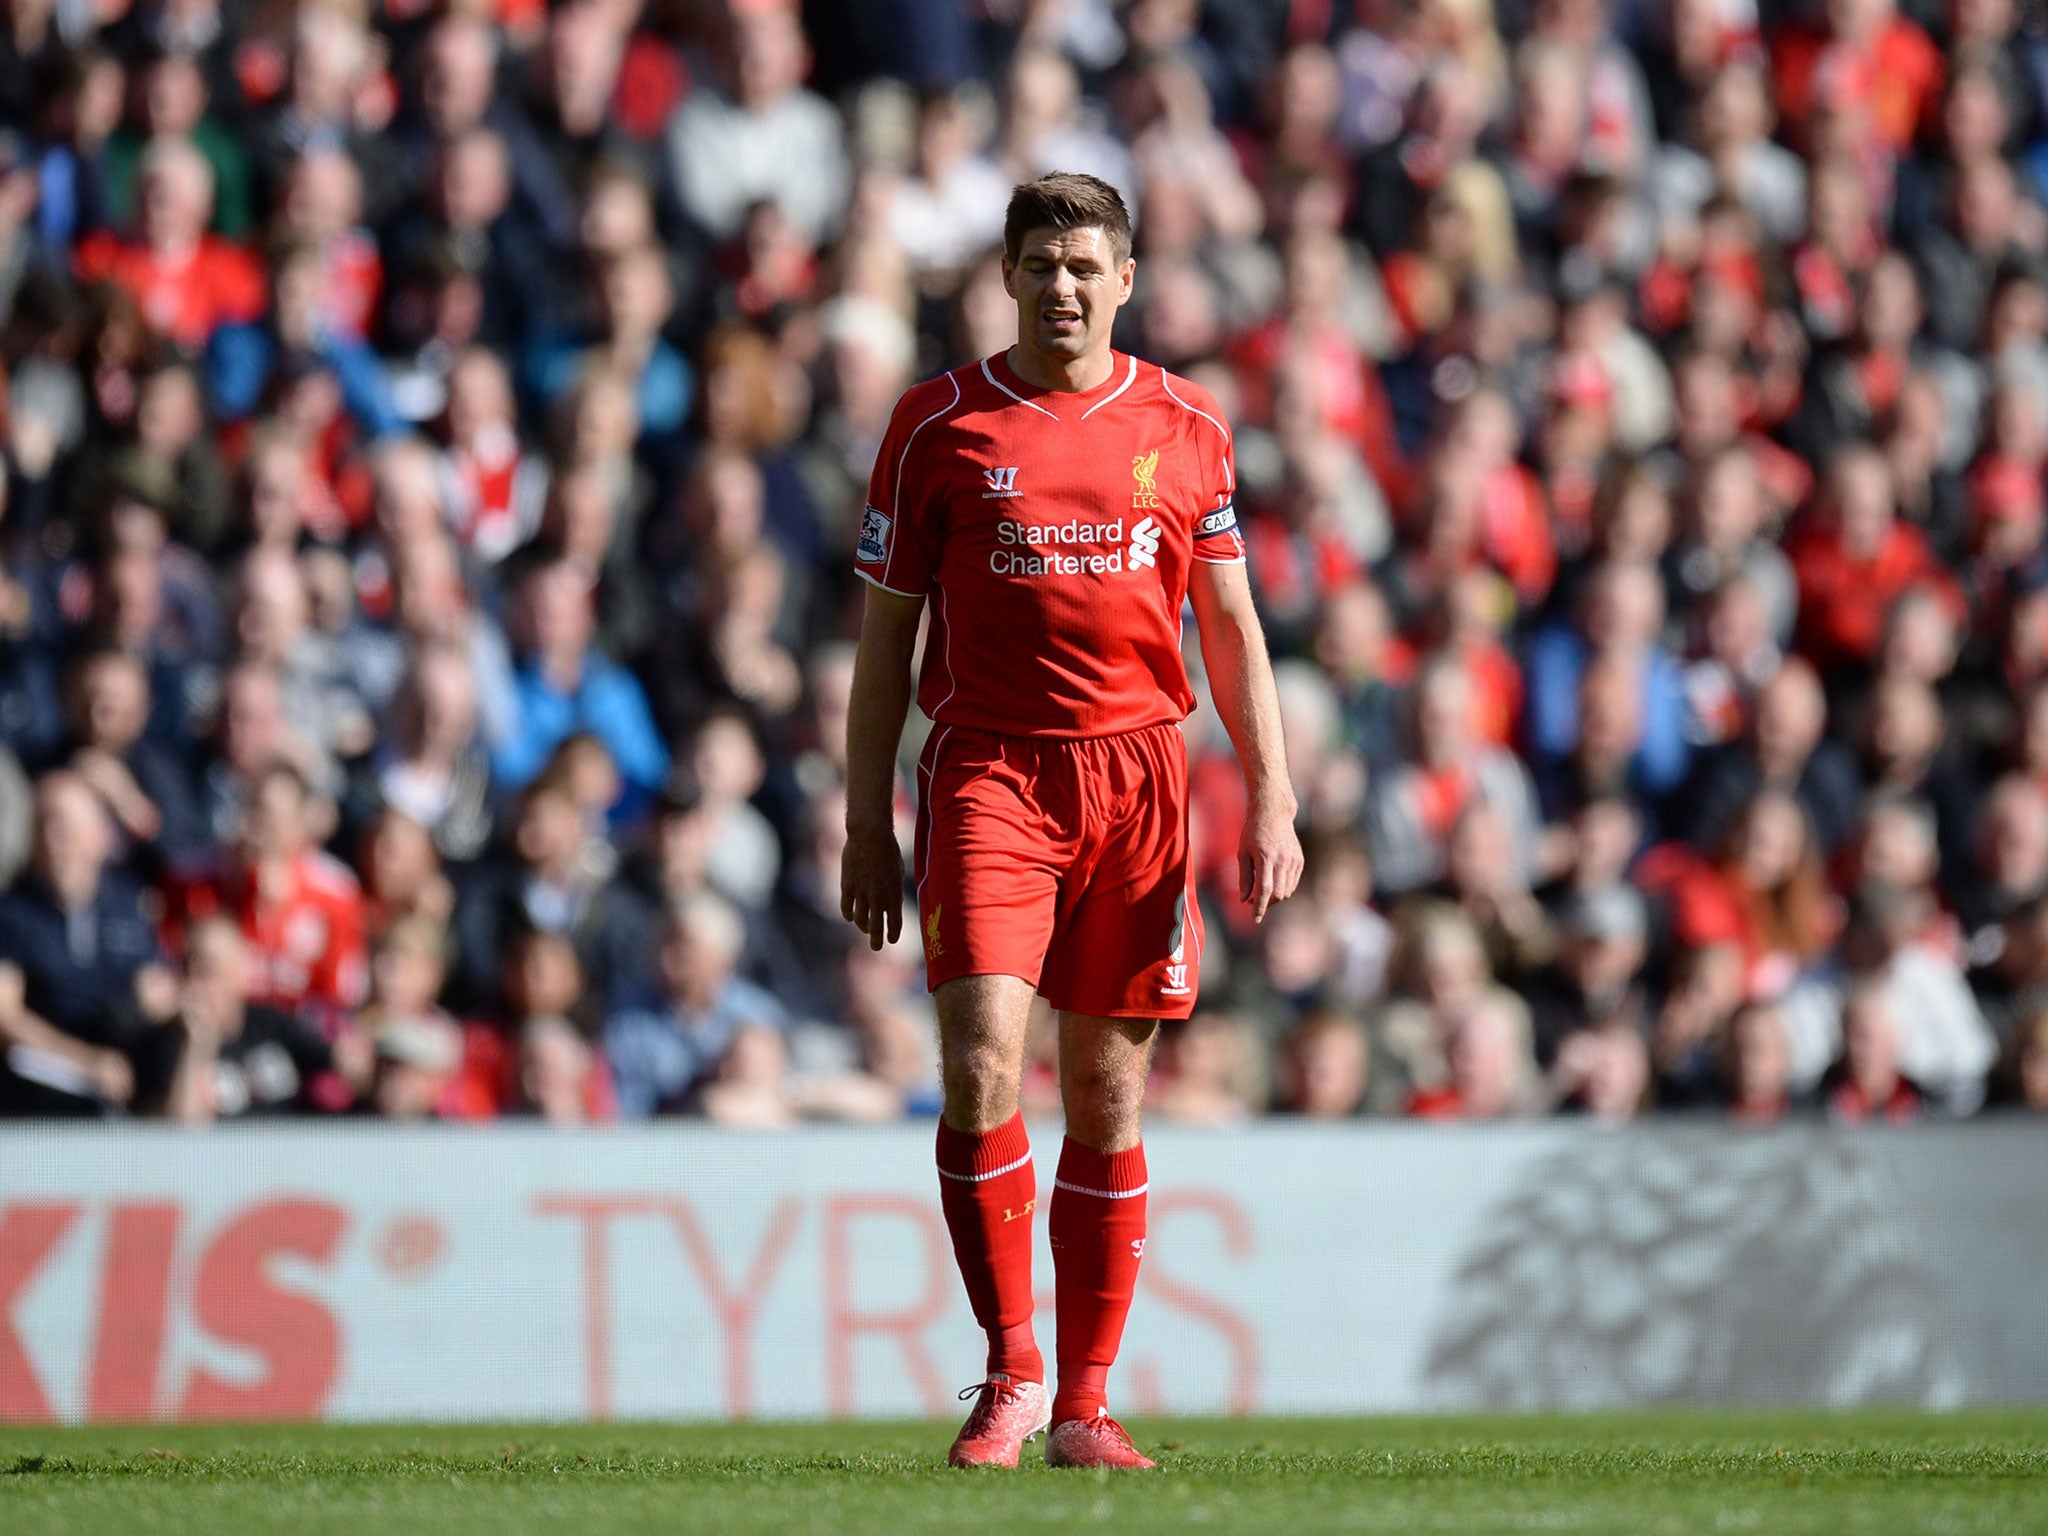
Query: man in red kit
187	283
1056	504
301	910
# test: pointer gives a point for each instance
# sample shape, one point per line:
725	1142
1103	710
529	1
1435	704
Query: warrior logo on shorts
1176	967
932	947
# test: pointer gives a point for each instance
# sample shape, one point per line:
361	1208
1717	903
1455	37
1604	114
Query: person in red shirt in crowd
1864	55
1514	532
1842	241
323	208
1415	805
1715	408
301	910
1312	327
187	283
1297	543
1574	444
2006	514
1866	1084
492	486
1767	891
1854	559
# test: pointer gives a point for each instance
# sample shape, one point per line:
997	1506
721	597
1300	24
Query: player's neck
1071	376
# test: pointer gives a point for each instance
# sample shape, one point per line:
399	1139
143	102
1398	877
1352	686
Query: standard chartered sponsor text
1019	545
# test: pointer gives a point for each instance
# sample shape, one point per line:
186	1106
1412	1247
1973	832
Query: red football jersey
1054	534
306	940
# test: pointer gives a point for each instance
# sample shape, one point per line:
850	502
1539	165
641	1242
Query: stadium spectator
1200	1077
1866	1083
1603	941
431	764
554	874
84	993
2024	1083
565	685
1757	1066
1440	975
662	1056
186	283
1786	749
244	1059
140	780
300	908
754	135
416	1060
1489	1074
1415	807
559	1074
1855	559
1325	1067
1603	1071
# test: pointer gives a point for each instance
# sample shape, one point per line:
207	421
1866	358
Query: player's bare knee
1105	1100
978	1104
980	1079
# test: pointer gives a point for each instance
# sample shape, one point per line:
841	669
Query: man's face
1068	286
770	56
115	703
71	836
274	826
559	614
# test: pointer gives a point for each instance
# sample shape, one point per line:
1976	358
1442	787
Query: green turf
1635	1474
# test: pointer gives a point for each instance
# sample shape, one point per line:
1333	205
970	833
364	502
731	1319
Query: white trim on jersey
945	651
1166	383
989	374
1130	378
876	581
924	811
903	458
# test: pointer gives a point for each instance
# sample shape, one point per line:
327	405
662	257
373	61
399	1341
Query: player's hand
871	884
1268	858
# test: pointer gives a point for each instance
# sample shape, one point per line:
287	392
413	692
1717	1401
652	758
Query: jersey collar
1060	404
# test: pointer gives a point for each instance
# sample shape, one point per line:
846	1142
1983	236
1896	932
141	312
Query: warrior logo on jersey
873	548
1144	466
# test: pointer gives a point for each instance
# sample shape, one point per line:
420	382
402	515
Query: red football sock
1098	1235
988	1189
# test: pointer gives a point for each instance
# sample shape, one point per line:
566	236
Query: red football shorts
1063	862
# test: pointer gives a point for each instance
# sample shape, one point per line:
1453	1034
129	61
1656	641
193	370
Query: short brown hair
1067	200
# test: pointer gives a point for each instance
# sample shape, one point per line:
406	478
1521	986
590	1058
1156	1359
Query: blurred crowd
434	438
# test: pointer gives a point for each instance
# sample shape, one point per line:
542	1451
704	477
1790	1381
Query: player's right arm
896	554
871	868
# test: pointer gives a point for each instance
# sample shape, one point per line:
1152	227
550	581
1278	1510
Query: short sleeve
1216	535
899	527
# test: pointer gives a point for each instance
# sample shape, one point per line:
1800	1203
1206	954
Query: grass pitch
1630	1475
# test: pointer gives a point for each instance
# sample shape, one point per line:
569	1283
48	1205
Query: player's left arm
1241	680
